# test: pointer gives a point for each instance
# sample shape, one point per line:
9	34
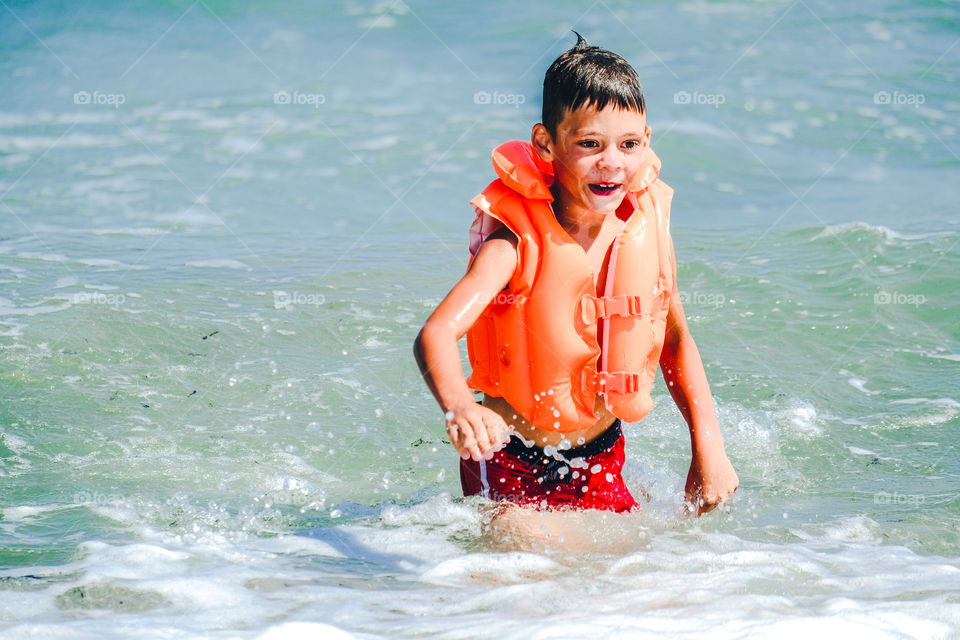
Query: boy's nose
609	159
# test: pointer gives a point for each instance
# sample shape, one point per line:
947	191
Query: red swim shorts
584	477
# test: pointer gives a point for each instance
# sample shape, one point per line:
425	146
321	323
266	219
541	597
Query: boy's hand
708	483
475	431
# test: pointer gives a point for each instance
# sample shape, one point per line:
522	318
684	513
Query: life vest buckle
592	308
622	305
612	381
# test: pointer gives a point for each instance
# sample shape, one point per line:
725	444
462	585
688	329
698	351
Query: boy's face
595	154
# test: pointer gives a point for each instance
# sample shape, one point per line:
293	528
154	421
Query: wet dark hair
591	76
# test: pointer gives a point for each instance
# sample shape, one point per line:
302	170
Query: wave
880	232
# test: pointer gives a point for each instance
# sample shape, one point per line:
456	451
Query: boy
569	304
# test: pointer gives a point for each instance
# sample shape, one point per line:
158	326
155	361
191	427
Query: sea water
222	225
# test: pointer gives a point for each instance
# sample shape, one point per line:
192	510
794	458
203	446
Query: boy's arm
475	431
711	477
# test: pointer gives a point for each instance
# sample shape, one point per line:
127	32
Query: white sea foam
801	417
9	308
304	631
194	215
888	235
492	569
220	263
918	412
46	257
857	382
406	571
100	231
34	144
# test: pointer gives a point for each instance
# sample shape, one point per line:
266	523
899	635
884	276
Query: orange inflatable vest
547	343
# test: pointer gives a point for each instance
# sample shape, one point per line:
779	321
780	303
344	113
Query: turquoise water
222	225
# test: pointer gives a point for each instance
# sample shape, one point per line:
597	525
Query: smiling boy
569	305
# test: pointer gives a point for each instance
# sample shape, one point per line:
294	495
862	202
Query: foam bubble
304	631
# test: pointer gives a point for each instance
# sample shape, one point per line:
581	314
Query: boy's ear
542	142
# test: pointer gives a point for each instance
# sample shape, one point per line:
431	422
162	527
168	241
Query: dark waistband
534	453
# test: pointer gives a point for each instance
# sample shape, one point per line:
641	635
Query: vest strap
594	381
592	308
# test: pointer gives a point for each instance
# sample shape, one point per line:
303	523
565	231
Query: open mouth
605	188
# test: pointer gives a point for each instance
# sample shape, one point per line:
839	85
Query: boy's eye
590	144
631	144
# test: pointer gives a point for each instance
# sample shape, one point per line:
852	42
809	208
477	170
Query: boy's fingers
480	433
461	437
453	430
478	436
498	429
468	440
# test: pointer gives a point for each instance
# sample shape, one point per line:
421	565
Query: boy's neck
582	223
585	226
